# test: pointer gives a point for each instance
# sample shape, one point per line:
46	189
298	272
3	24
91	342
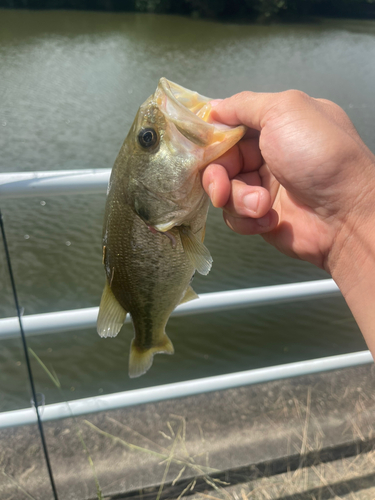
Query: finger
245	156
231	161
247	197
252	226
216	183
249	132
269	181
251	155
246	108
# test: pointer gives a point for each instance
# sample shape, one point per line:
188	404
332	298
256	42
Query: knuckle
285	102
243	95
329	103
240	225
333	106
241	98
296	96
338	114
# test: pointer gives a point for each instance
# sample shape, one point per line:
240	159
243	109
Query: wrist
353	225
351	261
352	254
352	258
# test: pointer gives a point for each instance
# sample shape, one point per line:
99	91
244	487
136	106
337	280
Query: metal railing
182	389
55	182
95	181
80	319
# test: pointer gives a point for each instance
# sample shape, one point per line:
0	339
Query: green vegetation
252	10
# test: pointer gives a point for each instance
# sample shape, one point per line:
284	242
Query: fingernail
264	221
215	102
211	189
251	201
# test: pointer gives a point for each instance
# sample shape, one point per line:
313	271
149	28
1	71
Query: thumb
246	108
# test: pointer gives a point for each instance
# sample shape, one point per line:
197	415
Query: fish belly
148	277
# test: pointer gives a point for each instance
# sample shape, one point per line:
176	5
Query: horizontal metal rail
21	184
181	389
79	319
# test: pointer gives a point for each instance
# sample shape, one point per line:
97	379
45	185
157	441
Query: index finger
245	156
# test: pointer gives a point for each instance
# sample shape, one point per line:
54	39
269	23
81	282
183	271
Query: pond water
71	83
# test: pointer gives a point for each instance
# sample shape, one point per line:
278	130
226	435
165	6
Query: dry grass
344	478
184	472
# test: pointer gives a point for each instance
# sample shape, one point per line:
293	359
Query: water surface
71	83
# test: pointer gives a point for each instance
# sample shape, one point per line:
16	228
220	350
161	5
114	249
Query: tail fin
140	360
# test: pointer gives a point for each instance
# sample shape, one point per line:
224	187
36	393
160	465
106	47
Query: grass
342	479
184	459
333	479
54	378
17	485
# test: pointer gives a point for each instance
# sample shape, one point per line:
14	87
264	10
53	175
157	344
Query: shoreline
274	12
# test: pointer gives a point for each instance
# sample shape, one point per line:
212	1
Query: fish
155	217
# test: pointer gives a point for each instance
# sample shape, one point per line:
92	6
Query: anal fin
189	295
111	314
198	254
140	360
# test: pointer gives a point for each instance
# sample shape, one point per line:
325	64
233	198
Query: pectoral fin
198	254
111	315
189	295
140	360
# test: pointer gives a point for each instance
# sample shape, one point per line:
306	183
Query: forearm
353	269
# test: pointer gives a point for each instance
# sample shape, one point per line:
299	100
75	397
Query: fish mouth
190	112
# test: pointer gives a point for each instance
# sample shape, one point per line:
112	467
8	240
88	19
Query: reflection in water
71	84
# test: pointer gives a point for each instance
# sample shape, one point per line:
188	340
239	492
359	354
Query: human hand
308	178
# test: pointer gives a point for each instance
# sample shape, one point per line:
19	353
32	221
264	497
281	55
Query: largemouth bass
155	217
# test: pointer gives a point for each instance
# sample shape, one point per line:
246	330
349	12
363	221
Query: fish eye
148	137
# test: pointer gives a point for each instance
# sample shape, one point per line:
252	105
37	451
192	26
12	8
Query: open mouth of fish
190	112
193	130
